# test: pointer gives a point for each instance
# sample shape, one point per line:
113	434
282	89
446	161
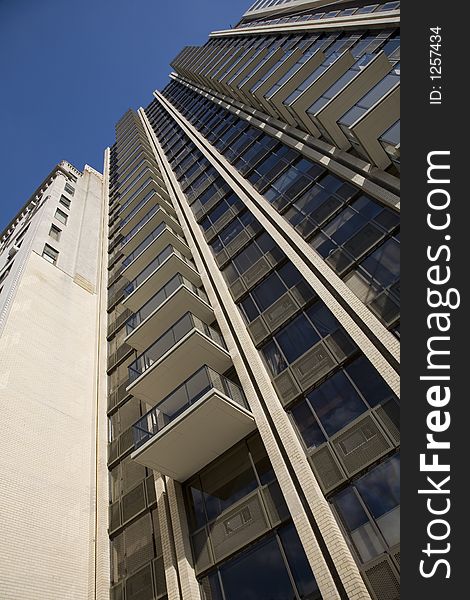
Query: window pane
297	338
249	309
383	265
350	509
323	319
298	563
307	425
210	587
336	403
290	275
267	292
380	488
196	504
261	460
247	258
241	575
361	532
370	384
274	358
61	216
228	480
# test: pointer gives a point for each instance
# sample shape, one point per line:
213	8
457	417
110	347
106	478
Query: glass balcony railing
153	266
134	182
182	398
141	223
168	340
144	200
143	245
159	298
136	193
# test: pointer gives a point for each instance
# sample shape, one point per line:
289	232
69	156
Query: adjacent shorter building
52	387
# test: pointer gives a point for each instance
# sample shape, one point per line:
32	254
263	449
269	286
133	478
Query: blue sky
70	68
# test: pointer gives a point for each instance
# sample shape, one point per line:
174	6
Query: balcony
170	303
156	274
145	170
193	425
150	199
326	111
139	233
179	352
150	247
147	185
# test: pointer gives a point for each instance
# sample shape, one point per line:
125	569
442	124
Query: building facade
254	314
252	318
52	385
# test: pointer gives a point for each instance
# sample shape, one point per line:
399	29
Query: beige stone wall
49	395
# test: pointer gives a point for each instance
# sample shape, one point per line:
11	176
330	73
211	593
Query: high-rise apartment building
252	320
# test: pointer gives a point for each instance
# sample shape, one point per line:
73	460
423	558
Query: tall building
252	319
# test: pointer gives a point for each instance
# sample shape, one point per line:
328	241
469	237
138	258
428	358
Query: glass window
55	232
211	587
383	265
369	382
373	498
61	216
261	460
323	319
380	488
226	481
65	201
50	254
241	575
247	258
307	425
298	563
290	275
249	309
268	291
69	189
336	403
274	358
296	338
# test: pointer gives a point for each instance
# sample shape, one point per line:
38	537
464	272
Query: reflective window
340	399
336	403
370	509
228	479
271	289
298	336
280	559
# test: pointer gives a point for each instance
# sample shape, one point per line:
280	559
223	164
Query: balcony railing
153	266
145	199
169	339
143	245
134	195
159	298
141	223
182	398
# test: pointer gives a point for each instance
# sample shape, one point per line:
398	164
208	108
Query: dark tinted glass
370	384
336	403
380	488
298	563
242	580
307	425
297	338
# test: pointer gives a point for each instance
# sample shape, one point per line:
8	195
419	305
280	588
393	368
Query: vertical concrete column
188	581
169	562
